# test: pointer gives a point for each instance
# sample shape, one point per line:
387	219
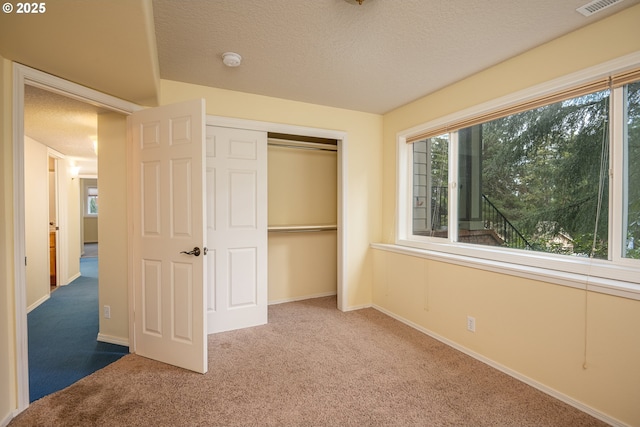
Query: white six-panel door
169	219
236	171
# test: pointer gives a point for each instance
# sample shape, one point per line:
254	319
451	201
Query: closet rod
301	145
302	228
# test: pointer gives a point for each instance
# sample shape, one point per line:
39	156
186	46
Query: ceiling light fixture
354	1
231	59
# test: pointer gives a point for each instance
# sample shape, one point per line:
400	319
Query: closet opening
302	217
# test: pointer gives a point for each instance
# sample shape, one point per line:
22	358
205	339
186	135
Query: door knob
195	251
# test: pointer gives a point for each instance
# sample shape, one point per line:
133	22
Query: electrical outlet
107	312
471	324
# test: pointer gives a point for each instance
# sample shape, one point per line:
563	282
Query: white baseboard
533	383
4	422
326	294
37	303
302	298
113	340
357	307
72	278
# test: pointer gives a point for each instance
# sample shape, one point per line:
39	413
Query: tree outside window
631	213
536	180
545	176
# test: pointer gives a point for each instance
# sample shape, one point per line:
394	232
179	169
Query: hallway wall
113	250
36	222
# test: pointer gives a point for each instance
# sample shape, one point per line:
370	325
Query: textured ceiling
373	57
64	124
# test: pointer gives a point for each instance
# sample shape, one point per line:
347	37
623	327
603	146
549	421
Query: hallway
62	336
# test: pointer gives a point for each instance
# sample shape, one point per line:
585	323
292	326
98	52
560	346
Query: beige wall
539	330
90	229
72	214
363	159
302	265
536	329
112	227
36	218
302	186
109	46
37	223
8	382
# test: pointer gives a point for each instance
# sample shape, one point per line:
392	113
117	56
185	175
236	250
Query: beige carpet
310	366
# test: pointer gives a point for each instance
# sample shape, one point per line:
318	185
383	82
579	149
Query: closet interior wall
302	218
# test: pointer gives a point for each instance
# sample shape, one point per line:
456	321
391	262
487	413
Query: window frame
615	274
621	163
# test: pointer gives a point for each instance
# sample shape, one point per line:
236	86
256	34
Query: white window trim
617	276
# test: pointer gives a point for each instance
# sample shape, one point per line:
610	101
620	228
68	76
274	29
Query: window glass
538	180
631	212
430	183
92	200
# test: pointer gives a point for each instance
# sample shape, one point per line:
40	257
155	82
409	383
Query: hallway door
169	239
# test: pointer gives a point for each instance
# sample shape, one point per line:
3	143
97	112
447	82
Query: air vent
596	6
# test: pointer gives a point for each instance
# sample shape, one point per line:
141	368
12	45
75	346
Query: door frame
53	154
341	137
23	75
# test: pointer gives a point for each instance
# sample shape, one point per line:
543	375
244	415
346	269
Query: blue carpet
62	336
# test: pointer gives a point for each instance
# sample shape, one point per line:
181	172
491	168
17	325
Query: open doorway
69	168
89	222
54	251
58	152
61	150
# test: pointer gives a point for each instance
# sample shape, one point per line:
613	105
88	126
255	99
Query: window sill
587	282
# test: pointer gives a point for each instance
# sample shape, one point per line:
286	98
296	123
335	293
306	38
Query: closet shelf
302	145
301	228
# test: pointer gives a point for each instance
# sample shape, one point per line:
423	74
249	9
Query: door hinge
25	261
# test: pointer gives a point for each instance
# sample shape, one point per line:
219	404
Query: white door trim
22	76
341	137
61	220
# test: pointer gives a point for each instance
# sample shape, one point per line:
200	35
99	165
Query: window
430	184
631	213
92	201
538	179
551	182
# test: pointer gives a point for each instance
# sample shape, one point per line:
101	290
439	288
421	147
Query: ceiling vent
596	6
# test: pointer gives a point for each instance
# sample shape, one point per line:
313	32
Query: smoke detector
596	6
231	59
